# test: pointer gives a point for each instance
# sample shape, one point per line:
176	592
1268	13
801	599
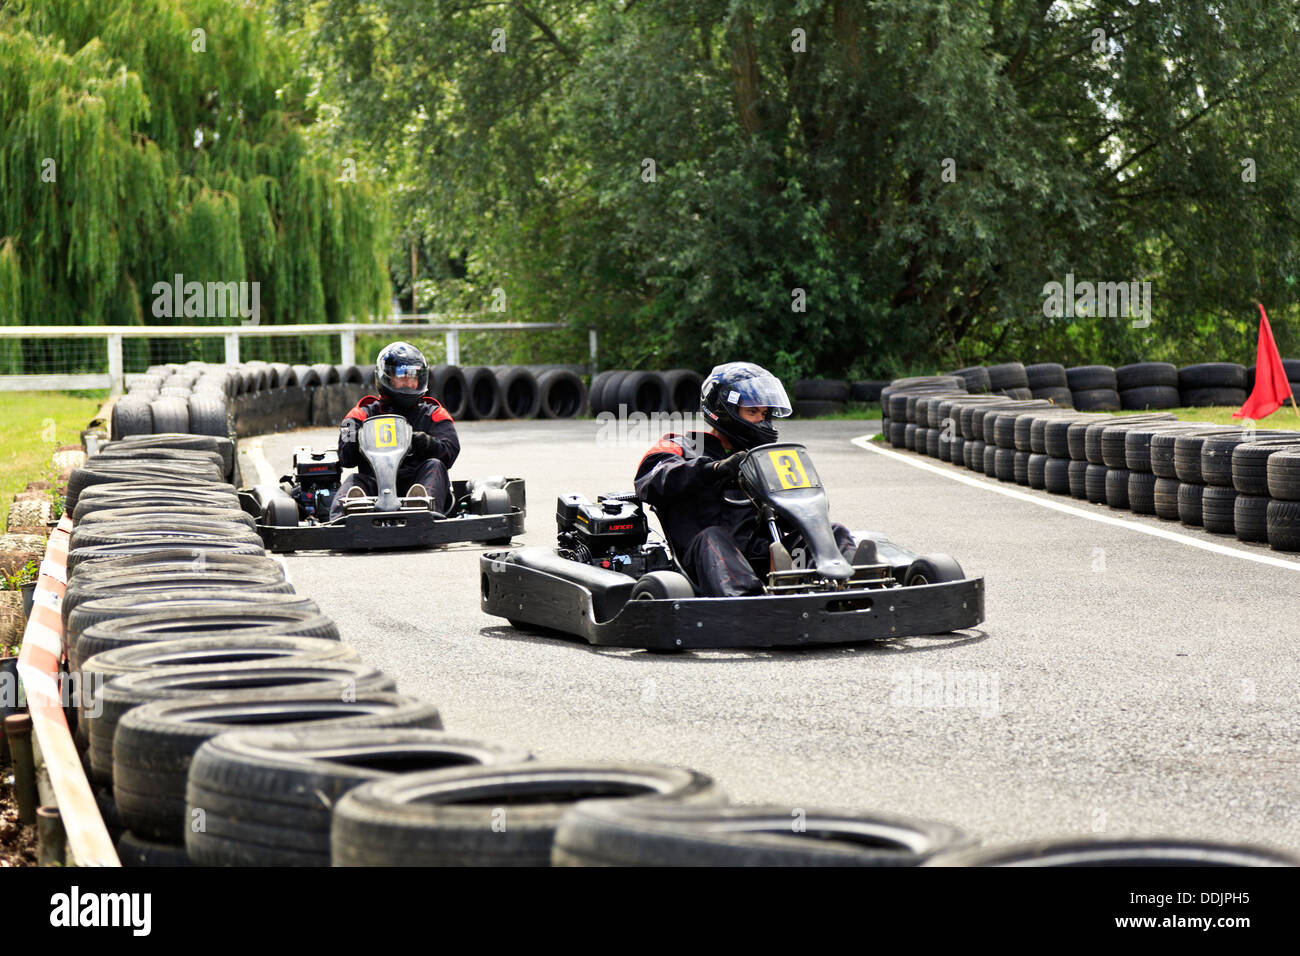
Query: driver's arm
665	473
349	447
438	435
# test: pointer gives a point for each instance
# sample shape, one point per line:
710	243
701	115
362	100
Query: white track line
864	441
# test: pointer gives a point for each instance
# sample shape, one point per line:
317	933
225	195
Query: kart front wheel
662	586
933	569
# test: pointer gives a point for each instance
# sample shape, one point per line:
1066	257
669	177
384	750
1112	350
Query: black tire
1008	375
180	601
132	497
1250	463
821	389
1250	518
652	833
596	398
1091	378
1189	503
1282	522
326	373
909	436
1056	476
111	553
1117	488
898	434
208	415
562	394
1118	853
682	386
253	621
124	693
1283	475
810	408
1094	483
116	451
1036	471
641	392
1213	397
1141	493
932	442
448	385
188	576
991	459
975	456
131	416
1076	435
1046	375
170	414
1165	498
306	376
1019	394
932	569
662	586
223	446
1218	506
354	374
520	395
267	795
1096	400
181	528
155	742
1154	396
1020	467
197	475
447	817
1143	375
866	391
1060	397
110	515
134	850
1212	375
484	393
1078	475
976	378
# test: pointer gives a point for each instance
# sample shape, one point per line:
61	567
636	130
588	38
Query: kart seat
610	590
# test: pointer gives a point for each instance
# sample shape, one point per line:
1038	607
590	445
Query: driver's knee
718	565
844	540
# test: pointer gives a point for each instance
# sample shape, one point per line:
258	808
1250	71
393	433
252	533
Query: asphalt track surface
1122	684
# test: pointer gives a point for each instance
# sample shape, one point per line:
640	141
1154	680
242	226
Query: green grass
1284	418
32	426
853	412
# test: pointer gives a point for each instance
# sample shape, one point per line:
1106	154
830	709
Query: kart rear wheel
661	586
933	569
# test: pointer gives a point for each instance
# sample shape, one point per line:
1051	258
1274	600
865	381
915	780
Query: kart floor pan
378	531
528	596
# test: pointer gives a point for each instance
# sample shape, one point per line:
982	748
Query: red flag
1271	386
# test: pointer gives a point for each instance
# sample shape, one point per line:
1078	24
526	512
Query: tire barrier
1142	386
1227	479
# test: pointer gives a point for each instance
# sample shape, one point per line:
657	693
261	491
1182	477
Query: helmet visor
743	383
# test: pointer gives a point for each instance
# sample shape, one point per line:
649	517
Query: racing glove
421	444
726	470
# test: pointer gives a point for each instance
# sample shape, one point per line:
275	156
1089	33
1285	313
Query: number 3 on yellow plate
789	470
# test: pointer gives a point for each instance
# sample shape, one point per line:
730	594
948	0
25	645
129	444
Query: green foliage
146	138
24	575
1116	159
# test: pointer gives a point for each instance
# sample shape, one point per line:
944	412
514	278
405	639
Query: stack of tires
1148	385
1227	479
623	391
1212	383
190	398
812	397
509	391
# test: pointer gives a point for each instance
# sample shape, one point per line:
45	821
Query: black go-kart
609	584
294	515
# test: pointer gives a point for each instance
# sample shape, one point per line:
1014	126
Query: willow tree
145	139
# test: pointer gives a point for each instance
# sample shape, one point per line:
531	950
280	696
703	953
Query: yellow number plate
789	470
385	434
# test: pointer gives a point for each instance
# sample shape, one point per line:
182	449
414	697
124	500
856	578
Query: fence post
348	347
115	364
591	347
232	348
453	346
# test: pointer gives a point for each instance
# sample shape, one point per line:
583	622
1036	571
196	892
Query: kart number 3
385	434
789	470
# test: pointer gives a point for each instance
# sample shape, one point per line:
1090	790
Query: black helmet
743	383
402	374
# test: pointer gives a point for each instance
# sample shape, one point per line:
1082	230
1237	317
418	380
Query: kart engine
609	534
315	480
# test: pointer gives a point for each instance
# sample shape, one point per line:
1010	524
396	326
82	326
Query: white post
348	347
232	348
115	364
453	346
591	347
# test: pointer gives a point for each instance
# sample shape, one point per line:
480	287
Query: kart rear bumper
526	595
377	531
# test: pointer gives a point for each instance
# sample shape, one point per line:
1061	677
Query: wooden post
51	842
115	364
18	728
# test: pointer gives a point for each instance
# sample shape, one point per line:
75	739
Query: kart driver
721	544
402	378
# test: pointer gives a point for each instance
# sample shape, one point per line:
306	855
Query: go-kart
608	583
294	515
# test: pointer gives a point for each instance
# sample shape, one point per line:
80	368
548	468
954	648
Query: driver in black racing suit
722	546
402	377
